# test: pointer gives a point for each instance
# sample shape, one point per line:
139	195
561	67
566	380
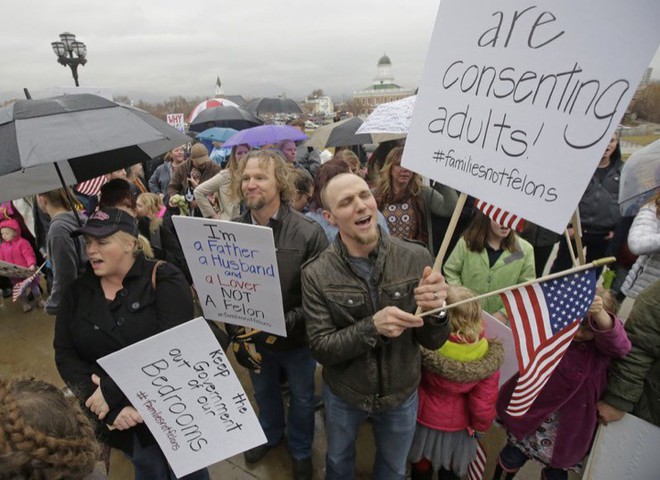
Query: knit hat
11	223
108	221
199	154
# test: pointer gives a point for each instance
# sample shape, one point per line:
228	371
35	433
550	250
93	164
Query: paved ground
26	349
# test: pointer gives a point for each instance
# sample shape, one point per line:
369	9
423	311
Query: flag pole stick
595	263
437	265
577	234
567	237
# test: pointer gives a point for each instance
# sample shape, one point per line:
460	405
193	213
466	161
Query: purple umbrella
264	135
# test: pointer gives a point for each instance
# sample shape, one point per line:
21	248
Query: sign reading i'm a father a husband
181	383
519	99
234	268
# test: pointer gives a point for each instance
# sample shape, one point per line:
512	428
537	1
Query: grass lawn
641	139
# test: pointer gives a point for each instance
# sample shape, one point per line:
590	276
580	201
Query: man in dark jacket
266	190
633	384
358	298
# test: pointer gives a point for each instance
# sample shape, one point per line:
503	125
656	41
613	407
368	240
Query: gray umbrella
273	105
225	117
68	139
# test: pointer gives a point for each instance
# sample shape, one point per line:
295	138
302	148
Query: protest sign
177	121
11	270
181	383
234	268
493	328
625	449
518	101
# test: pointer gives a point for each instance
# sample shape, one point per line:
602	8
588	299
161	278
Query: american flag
92	187
21	287
502	217
477	466
544	318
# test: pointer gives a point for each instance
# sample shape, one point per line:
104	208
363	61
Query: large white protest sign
518	100
493	328
181	383
627	449
234	268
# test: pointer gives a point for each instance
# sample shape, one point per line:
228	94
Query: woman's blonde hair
152	204
384	184
141	243
465	320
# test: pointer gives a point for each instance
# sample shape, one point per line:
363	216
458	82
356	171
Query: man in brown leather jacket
262	182
358	298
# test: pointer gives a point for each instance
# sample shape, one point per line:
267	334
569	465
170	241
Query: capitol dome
384	60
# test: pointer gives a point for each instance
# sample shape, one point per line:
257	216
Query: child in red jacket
457	394
17	250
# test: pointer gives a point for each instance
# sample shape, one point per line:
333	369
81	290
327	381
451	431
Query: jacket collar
274	223
377	255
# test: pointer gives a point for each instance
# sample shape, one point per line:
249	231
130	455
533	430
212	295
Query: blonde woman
121	299
220	186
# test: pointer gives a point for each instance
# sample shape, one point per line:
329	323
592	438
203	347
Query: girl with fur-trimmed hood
457	393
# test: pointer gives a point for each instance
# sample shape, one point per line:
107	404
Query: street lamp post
65	50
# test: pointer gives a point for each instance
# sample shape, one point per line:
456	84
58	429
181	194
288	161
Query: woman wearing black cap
122	299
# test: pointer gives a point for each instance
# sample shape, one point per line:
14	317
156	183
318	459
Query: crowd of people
355	242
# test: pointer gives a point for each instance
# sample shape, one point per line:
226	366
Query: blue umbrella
265	134
216	134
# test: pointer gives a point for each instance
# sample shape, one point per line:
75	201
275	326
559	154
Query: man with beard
262	182
358	298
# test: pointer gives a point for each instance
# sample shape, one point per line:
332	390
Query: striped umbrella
213	102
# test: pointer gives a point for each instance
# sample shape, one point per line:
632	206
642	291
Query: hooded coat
17	251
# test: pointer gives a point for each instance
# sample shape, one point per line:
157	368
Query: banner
234	269
181	383
177	121
518	100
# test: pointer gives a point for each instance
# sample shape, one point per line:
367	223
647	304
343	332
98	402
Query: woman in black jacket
121	299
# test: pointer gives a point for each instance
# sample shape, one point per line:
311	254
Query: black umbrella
65	140
226	117
273	105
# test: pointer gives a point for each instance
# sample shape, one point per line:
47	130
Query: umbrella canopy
213	102
339	134
640	179
266	134
78	136
391	117
226	117
273	105
216	134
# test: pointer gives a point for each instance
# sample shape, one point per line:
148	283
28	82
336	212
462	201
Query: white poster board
627	449
181	383
177	121
493	328
518	100
234	269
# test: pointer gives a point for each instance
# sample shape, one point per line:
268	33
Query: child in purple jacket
17	250
559	427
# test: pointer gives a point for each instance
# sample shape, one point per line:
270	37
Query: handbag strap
153	272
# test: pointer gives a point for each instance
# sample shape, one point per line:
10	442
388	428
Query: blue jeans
150	464
299	367
393	431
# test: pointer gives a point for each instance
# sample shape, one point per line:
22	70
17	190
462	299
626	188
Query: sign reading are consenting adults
518	99
234	269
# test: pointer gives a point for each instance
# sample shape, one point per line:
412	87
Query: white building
318	106
383	89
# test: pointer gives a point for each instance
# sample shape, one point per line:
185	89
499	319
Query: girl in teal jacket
488	257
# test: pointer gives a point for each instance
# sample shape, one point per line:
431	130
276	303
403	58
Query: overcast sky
154	49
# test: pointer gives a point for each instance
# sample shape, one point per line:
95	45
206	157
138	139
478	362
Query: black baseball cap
107	221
